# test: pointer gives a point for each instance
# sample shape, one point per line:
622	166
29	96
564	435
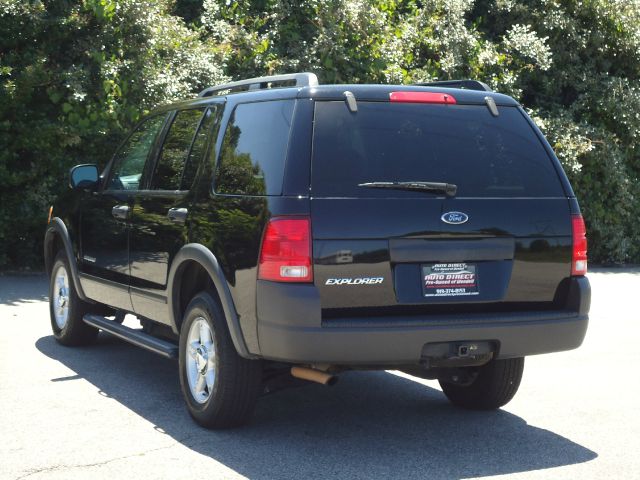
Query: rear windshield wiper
448	189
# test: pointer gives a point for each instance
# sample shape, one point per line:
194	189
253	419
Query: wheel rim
200	360
61	297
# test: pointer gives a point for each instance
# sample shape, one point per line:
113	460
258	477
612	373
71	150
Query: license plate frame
449	279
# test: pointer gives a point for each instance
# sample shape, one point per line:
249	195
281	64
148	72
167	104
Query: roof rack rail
304	79
464	84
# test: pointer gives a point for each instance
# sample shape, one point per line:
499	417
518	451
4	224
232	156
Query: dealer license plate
449	280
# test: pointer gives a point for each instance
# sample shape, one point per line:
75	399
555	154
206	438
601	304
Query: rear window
485	156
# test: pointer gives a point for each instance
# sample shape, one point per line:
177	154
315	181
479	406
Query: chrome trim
304	79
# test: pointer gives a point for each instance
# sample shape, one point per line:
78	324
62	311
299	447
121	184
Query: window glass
485	156
199	146
171	163
130	159
254	149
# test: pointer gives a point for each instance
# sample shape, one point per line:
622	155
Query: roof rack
464	84
304	79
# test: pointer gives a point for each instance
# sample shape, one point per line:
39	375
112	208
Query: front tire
66	309
220	388
495	385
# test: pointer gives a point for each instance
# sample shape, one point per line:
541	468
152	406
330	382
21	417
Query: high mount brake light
579	260
422	97
285	255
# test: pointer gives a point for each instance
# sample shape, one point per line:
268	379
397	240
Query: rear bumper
289	330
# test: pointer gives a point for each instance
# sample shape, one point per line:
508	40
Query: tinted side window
130	159
171	163
199	146
485	156
254	149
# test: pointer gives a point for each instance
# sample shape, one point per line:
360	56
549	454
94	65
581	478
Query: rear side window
175	149
485	156
199	146
254	148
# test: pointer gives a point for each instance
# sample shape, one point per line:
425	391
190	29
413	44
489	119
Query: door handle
120	212
178	215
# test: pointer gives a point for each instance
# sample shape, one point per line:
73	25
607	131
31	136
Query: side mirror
84	177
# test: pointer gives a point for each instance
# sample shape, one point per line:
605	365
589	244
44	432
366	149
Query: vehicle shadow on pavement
370	425
18	289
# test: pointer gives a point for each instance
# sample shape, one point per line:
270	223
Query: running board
136	337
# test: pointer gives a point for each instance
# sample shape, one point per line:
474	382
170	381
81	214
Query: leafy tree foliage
588	103
575	65
75	75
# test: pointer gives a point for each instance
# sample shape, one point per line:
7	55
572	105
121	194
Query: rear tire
220	387
496	384
65	307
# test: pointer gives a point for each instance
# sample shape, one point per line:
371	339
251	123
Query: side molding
57	227
203	256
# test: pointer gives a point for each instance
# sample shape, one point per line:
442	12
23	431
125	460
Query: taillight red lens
422	97
579	262
285	255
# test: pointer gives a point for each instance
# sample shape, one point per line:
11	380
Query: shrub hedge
75	75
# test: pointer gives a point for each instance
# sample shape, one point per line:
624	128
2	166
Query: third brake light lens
422	97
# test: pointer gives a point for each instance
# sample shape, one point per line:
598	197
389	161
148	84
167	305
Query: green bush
575	65
75	75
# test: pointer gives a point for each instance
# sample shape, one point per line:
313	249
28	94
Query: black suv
274	230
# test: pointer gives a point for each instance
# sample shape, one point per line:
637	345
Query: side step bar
137	337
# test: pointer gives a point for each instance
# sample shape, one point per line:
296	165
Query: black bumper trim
402	345
445	320
290	329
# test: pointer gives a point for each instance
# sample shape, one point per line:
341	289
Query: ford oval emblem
454	218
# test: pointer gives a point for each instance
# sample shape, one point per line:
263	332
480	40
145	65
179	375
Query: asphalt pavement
115	411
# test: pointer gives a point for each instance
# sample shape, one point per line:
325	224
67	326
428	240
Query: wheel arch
194	260
56	238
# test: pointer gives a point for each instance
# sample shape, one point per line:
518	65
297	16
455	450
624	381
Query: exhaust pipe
313	375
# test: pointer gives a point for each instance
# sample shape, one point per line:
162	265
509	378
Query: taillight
579	262
285	255
422	97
